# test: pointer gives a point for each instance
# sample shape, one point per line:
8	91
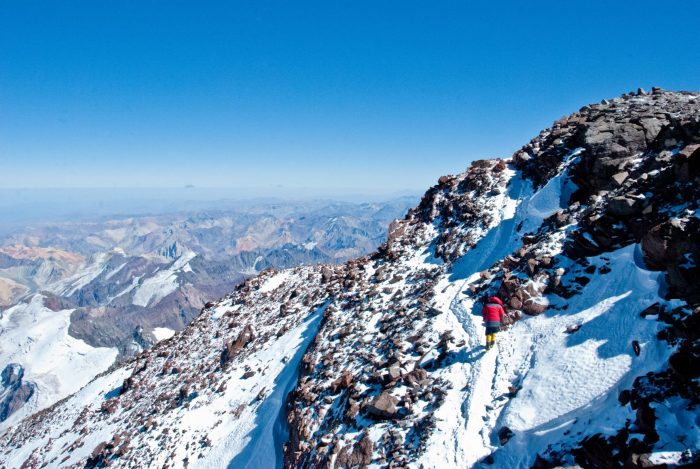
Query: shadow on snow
266	439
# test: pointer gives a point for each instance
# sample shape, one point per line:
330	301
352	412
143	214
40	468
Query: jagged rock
127	385
532	266
619	178
233	348
636	347
360	456
646	420
97	456
504	435
384	406
109	406
15	391
667	244
416	377
344	382
392	374
685	363
652	127
623	206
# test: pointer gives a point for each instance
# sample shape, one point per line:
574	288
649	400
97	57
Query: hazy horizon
32	206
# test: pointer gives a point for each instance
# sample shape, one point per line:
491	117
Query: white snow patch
153	289
666	457
678	428
91	396
555	368
162	333
86	274
550	198
275	281
255	439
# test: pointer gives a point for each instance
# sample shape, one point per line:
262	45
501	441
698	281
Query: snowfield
162	333
163	283
257	438
37	338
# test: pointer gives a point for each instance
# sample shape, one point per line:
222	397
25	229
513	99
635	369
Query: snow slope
230	410
156	287
162	333
37	338
568	382
257	440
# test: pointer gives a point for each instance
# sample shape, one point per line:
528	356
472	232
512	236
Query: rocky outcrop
458	207
234	347
15	391
384	406
360	455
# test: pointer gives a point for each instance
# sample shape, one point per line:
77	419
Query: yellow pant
490	340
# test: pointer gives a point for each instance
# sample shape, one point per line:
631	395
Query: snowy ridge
204	385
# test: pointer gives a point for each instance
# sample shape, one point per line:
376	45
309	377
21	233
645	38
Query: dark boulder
233	348
344	382
624	206
384	407
504	435
15	392
360	456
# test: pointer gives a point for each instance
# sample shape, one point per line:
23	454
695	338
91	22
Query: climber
493	313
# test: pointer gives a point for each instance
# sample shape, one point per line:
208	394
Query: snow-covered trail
484	376
538	356
473	375
478	384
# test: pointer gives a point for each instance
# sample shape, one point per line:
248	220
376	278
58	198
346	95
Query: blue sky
328	96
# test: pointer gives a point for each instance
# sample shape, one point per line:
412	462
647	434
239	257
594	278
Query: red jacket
493	310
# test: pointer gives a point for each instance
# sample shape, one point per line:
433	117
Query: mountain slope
590	233
85	294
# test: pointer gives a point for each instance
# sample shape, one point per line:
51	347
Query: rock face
389	347
14	391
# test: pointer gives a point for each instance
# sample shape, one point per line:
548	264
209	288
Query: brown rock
343	382
233	348
623	206
361	455
504	435
533	308
384	406
619	178
416	376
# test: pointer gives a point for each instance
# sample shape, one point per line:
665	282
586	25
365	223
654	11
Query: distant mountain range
76	296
